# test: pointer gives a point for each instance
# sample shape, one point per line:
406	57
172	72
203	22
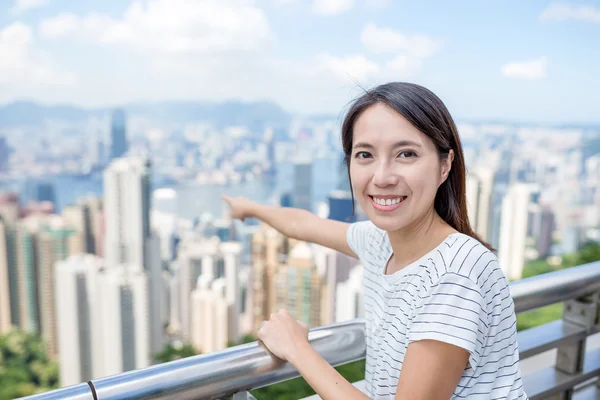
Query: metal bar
555	287
76	392
545	337
550	381
240	368
223	373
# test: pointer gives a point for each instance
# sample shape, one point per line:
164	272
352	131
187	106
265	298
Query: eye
407	154
362	154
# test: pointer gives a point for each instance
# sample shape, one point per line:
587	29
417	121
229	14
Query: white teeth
388	202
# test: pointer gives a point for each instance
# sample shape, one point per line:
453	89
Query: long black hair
426	112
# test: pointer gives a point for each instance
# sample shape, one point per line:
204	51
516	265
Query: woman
440	322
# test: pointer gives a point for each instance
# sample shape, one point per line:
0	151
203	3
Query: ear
447	165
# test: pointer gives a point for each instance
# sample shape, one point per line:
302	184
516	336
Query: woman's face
395	169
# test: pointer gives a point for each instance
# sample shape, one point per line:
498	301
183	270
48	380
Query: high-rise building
270	249
303	185
127	211
349	296
4	153
85	218
77	328
341	206
156	294
5	289
211	259
40	191
123	342
513	230
118	134
285	200
479	186
52	246
210	320
299	286
547	225
27	276
335	269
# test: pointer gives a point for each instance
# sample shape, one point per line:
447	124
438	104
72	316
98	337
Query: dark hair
426	112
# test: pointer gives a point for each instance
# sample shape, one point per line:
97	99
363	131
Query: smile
387	204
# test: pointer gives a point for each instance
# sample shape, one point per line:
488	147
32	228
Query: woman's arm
322	377
287	338
295	223
431	370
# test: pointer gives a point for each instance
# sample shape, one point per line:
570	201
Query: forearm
286	220
323	378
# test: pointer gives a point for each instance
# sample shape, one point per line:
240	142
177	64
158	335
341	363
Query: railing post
243	395
570	357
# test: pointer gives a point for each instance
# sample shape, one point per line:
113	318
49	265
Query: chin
388	224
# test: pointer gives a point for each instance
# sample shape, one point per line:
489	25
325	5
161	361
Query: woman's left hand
283	335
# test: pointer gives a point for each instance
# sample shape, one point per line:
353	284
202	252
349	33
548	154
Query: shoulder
467	257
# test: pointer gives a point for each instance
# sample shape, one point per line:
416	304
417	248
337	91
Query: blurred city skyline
524	61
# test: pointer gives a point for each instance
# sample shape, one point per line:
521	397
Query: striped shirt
455	294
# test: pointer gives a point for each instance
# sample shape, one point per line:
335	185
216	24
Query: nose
385	176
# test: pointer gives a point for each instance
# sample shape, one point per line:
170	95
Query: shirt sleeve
454	312
357	236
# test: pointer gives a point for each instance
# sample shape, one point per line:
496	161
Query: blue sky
518	60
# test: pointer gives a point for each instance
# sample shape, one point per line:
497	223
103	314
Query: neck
412	242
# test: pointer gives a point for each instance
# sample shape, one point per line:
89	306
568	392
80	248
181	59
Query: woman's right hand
241	207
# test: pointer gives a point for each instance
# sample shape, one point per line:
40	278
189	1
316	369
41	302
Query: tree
24	366
175	351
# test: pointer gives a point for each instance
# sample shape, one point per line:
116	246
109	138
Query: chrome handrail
249	366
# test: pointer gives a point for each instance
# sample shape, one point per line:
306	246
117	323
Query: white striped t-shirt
456	294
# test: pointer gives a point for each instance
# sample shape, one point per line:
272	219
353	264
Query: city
117	251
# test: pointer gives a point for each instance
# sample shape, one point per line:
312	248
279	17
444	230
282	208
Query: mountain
255	115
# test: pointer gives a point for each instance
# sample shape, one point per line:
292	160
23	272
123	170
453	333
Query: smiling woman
440	321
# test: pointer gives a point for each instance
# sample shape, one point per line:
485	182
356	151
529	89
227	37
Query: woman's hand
241	207
283	335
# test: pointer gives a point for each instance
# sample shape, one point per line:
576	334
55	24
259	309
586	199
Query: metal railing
232	372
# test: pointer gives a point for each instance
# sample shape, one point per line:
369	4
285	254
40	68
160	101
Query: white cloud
24	5
60	25
531	69
350	67
22	63
385	40
571	12
172	26
331	7
378	3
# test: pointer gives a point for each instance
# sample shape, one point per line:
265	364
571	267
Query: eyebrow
402	143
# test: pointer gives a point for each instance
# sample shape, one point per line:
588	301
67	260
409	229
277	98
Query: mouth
387	203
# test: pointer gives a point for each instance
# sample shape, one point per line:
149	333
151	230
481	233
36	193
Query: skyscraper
52	246
212	260
547	225
341	206
124	335
480	184
78	328
210	320
269	250
299	286
303	185
4	153
513	230
118	134
5	289
349	296
84	218
127	210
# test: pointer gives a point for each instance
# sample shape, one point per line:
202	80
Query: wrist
300	351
